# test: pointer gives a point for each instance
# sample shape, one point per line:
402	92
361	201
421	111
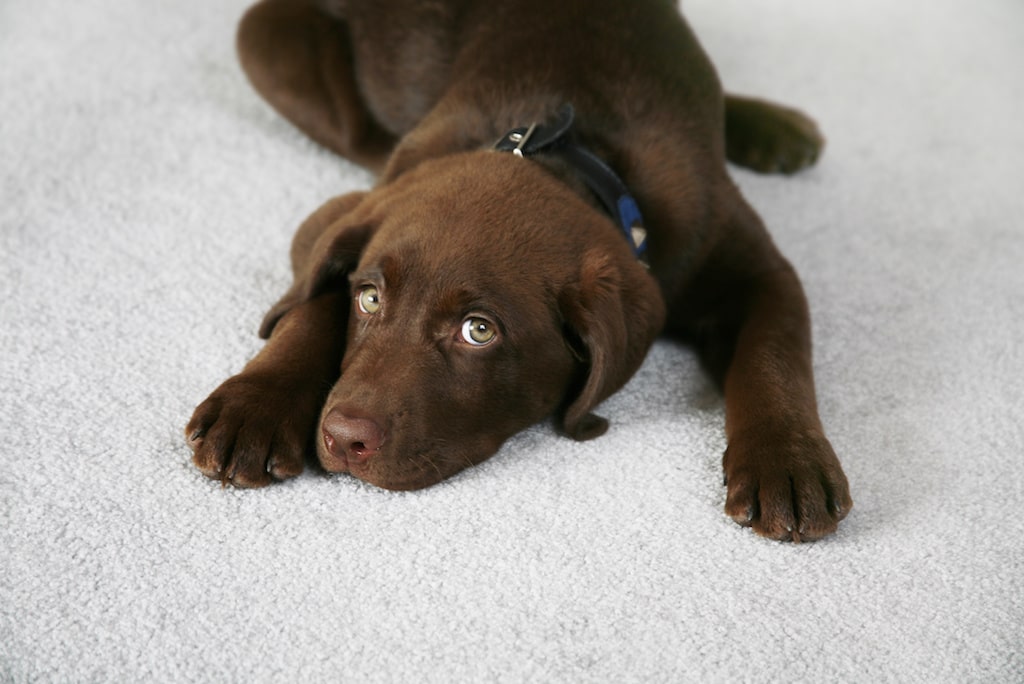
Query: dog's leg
782	475
750	321
299	59
769	138
257	426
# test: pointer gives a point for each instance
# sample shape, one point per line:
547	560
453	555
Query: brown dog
475	291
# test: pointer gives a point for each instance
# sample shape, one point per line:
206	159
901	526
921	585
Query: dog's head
485	296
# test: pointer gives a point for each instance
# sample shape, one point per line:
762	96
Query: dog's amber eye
478	331
368	299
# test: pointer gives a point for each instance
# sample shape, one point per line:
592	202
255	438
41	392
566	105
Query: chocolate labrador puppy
552	196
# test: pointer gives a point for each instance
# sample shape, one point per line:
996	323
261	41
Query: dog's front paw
786	485
251	431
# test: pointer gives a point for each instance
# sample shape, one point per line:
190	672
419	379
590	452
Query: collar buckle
521	139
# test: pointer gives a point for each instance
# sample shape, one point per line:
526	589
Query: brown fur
455	232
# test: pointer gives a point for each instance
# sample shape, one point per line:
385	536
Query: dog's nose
355	439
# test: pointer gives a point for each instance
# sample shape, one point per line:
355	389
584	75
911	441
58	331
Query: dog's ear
613	314
325	249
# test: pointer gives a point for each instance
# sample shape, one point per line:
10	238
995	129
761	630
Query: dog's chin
384	471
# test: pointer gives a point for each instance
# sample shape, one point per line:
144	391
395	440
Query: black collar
553	138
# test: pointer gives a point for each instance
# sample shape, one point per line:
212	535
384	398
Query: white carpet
148	199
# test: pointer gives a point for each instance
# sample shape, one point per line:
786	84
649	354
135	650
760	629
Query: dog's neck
554	139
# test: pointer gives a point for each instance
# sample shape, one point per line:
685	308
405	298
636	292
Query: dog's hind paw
770	138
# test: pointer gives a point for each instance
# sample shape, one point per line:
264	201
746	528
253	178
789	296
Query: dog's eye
368	299
478	331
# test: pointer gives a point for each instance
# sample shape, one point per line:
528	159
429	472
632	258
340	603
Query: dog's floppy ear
615	311
326	247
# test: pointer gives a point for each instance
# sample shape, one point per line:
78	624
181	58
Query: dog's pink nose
354	439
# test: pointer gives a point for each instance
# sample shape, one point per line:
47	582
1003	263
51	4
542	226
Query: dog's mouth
390	466
381	470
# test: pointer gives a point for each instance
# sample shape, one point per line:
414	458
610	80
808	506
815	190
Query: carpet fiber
148	200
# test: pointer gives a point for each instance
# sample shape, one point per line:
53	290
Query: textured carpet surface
148	199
